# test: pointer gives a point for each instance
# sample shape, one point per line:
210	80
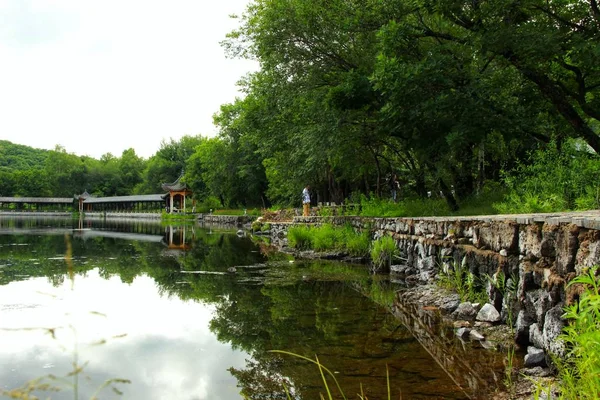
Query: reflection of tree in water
348	332
302	308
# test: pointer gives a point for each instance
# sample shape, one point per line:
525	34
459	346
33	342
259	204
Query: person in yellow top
306	201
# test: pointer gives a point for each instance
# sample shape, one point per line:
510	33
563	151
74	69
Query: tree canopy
446	94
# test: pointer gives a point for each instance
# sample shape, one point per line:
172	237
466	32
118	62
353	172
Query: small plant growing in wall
384	249
459	279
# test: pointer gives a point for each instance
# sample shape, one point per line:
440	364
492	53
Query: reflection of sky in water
168	352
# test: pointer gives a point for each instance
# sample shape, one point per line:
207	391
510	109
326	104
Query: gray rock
522	325
486	344
474	335
462	332
553	327
449	305
464	311
536	372
535	336
488	313
535	357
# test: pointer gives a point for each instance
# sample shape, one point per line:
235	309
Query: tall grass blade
321	369
323	377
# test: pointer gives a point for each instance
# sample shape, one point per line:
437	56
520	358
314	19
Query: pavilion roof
37	200
176	186
126	199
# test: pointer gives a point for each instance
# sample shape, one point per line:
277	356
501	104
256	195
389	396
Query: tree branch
595	11
560	19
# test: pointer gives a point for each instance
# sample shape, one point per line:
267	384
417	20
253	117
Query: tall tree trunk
450	200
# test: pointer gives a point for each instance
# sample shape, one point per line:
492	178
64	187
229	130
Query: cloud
105	76
169	351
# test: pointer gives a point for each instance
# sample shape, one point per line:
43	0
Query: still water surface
158	313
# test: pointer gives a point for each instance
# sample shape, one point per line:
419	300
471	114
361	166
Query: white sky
104	76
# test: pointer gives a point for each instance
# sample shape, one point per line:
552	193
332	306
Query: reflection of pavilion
176	238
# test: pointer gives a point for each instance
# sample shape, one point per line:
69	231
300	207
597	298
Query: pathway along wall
539	253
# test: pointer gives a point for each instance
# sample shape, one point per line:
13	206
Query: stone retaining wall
226	220
537	254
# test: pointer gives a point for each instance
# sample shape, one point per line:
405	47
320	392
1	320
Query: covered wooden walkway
140	203
172	201
36	203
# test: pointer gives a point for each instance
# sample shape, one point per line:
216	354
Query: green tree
130	168
166	165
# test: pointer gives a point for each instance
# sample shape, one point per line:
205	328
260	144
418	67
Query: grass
482	204
326	373
329	237
382	252
177	217
579	371
299	237
459	279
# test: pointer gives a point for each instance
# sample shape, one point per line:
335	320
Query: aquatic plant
329	237
299	237
358	244
325	373
382	252
326	237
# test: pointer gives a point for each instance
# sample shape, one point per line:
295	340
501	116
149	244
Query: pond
140	310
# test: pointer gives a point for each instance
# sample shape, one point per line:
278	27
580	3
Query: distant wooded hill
17	157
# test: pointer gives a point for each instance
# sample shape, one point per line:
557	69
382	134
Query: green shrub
326	237
210	203
299	237
256	226
554	179
425	207
358	244
329	237
384	249
579	371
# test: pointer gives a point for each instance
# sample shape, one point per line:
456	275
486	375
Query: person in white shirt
306	201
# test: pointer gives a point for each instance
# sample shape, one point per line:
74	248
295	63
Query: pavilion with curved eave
178	191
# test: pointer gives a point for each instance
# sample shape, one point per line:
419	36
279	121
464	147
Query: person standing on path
306	201
394	187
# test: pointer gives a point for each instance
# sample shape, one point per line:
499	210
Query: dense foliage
454	97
